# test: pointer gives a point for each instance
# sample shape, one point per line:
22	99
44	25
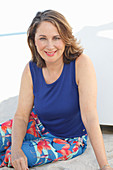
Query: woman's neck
52	71
54	68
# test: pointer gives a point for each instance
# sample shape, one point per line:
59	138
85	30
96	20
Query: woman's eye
42	38
57	38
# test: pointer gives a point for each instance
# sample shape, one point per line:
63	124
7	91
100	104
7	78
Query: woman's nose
50	45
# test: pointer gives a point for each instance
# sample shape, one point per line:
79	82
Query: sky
16	16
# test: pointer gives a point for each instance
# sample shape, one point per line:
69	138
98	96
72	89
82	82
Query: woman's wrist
15	147
107	166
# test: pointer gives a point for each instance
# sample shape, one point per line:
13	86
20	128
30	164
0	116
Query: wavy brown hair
72	47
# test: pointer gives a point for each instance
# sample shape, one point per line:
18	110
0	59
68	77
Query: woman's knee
29	150
5	135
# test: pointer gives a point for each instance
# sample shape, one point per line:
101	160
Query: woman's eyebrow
45	35
56	36
42	35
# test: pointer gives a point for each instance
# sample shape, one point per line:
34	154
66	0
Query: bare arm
21	118
87	87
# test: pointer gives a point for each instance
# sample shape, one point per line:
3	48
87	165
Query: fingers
19	160
16	165
20	164
24	164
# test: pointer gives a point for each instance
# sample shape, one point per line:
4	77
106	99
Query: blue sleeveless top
57	104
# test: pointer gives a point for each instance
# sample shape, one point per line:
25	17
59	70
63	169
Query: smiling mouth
50	53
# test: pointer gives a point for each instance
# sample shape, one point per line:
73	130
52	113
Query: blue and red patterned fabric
39	145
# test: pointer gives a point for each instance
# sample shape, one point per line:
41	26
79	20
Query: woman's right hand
18	159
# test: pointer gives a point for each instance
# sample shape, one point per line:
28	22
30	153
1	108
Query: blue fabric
57	104
39	146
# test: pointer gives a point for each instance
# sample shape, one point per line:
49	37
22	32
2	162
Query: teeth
51	53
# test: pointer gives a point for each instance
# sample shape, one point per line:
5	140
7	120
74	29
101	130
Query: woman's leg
49	149
6	130
41	147
5	135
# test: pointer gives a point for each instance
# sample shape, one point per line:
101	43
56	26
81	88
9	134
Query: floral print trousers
39	146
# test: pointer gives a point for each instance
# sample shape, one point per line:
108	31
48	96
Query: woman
57	100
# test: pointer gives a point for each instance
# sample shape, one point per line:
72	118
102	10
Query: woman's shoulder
84	67
26	72
27	68
83	59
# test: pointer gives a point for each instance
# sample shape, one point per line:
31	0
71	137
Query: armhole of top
76	72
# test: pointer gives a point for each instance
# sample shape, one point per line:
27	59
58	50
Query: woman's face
48	42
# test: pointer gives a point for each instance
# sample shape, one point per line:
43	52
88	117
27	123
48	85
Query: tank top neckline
47	84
